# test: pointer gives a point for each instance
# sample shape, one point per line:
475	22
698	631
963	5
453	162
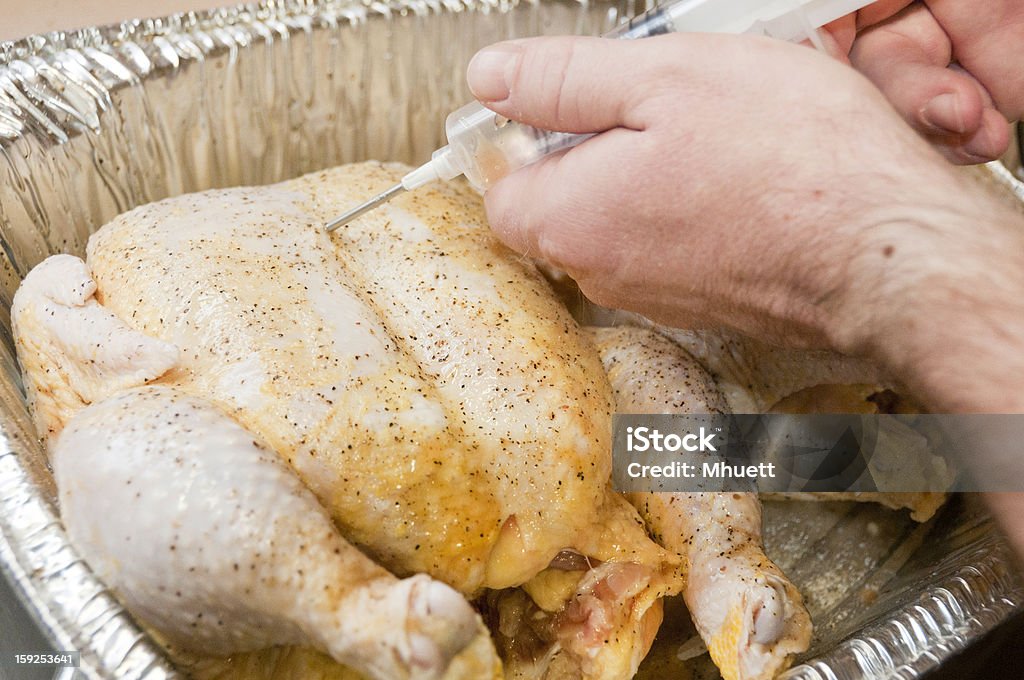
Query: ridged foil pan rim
966	602
148	29
36	62
75	609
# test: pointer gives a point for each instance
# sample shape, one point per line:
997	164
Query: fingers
908	58
526	226
988	42
994	138
562	83
841	33
989	142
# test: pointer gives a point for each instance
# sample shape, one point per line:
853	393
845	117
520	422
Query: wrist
935	296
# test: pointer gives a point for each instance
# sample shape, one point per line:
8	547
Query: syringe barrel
486	146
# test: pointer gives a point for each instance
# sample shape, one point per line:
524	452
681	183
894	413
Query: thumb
908	58
559	83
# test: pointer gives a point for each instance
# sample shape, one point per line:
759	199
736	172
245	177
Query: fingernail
491	70
943	114
980	147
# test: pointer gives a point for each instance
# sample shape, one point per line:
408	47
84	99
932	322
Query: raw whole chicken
418	378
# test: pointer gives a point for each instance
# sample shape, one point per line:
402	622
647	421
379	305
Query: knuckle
580	252
554	248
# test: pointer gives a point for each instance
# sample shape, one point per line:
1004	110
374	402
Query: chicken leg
749	615
225	551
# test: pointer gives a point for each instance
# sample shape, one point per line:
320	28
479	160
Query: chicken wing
756	377
72	351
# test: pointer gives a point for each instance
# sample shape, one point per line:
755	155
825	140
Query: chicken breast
751	617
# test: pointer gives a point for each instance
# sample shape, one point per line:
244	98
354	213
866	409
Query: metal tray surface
97	121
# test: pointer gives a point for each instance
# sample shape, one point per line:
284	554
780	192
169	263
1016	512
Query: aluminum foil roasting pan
98	121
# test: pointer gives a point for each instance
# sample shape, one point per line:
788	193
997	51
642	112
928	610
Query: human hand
951	67
740	181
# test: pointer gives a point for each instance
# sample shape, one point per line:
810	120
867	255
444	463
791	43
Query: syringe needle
361	210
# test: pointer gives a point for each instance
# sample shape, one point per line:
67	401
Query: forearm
962	345
938	299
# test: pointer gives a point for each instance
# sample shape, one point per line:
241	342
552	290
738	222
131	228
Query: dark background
1000	654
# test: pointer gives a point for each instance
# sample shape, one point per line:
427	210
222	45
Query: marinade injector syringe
485	147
